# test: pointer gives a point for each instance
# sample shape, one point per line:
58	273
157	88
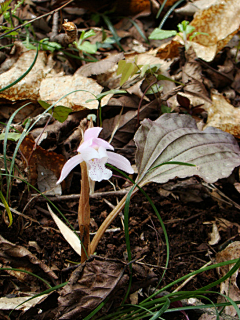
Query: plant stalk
84	213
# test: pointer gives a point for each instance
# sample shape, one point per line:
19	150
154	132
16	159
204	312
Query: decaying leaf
15	256
192	76
89	285
220	20
14	303
28	87
55	88
229	287
101	66
38	159
174	137
223	115
36	86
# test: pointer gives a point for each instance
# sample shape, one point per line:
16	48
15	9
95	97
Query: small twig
76	196
211	186
20	214
190	278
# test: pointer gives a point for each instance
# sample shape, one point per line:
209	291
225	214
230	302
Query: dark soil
188	237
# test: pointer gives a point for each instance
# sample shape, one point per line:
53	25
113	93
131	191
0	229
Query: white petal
102	143
69	165
120	162
84	145
90	153
98	171
92	133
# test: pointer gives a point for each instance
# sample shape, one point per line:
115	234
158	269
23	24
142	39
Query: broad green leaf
88	47
127	69
174	137
11	136
159	34
60	113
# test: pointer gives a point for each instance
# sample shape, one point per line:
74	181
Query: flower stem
84	213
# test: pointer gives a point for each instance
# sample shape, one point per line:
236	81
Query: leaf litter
188	235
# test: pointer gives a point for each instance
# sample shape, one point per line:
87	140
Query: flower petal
120	162
102	143
97	170
91	133
91	153
69	165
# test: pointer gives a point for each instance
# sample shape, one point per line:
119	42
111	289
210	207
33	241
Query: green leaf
11	136
88	47
165	109
88	34
5	6
50	46
60	113
159	34
127	69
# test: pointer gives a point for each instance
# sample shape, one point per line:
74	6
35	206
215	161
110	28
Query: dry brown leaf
37	86
220	20
89	285
229	287
101	66
126	124
16	256
28	87
223	115
18	303
53	89
170	49
224	224
192	76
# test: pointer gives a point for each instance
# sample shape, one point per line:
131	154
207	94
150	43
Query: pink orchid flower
94	152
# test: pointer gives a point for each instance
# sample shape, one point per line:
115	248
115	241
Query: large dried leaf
36	86
220	20
174	137
15	256
223	115
28	87
55	88
89	285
